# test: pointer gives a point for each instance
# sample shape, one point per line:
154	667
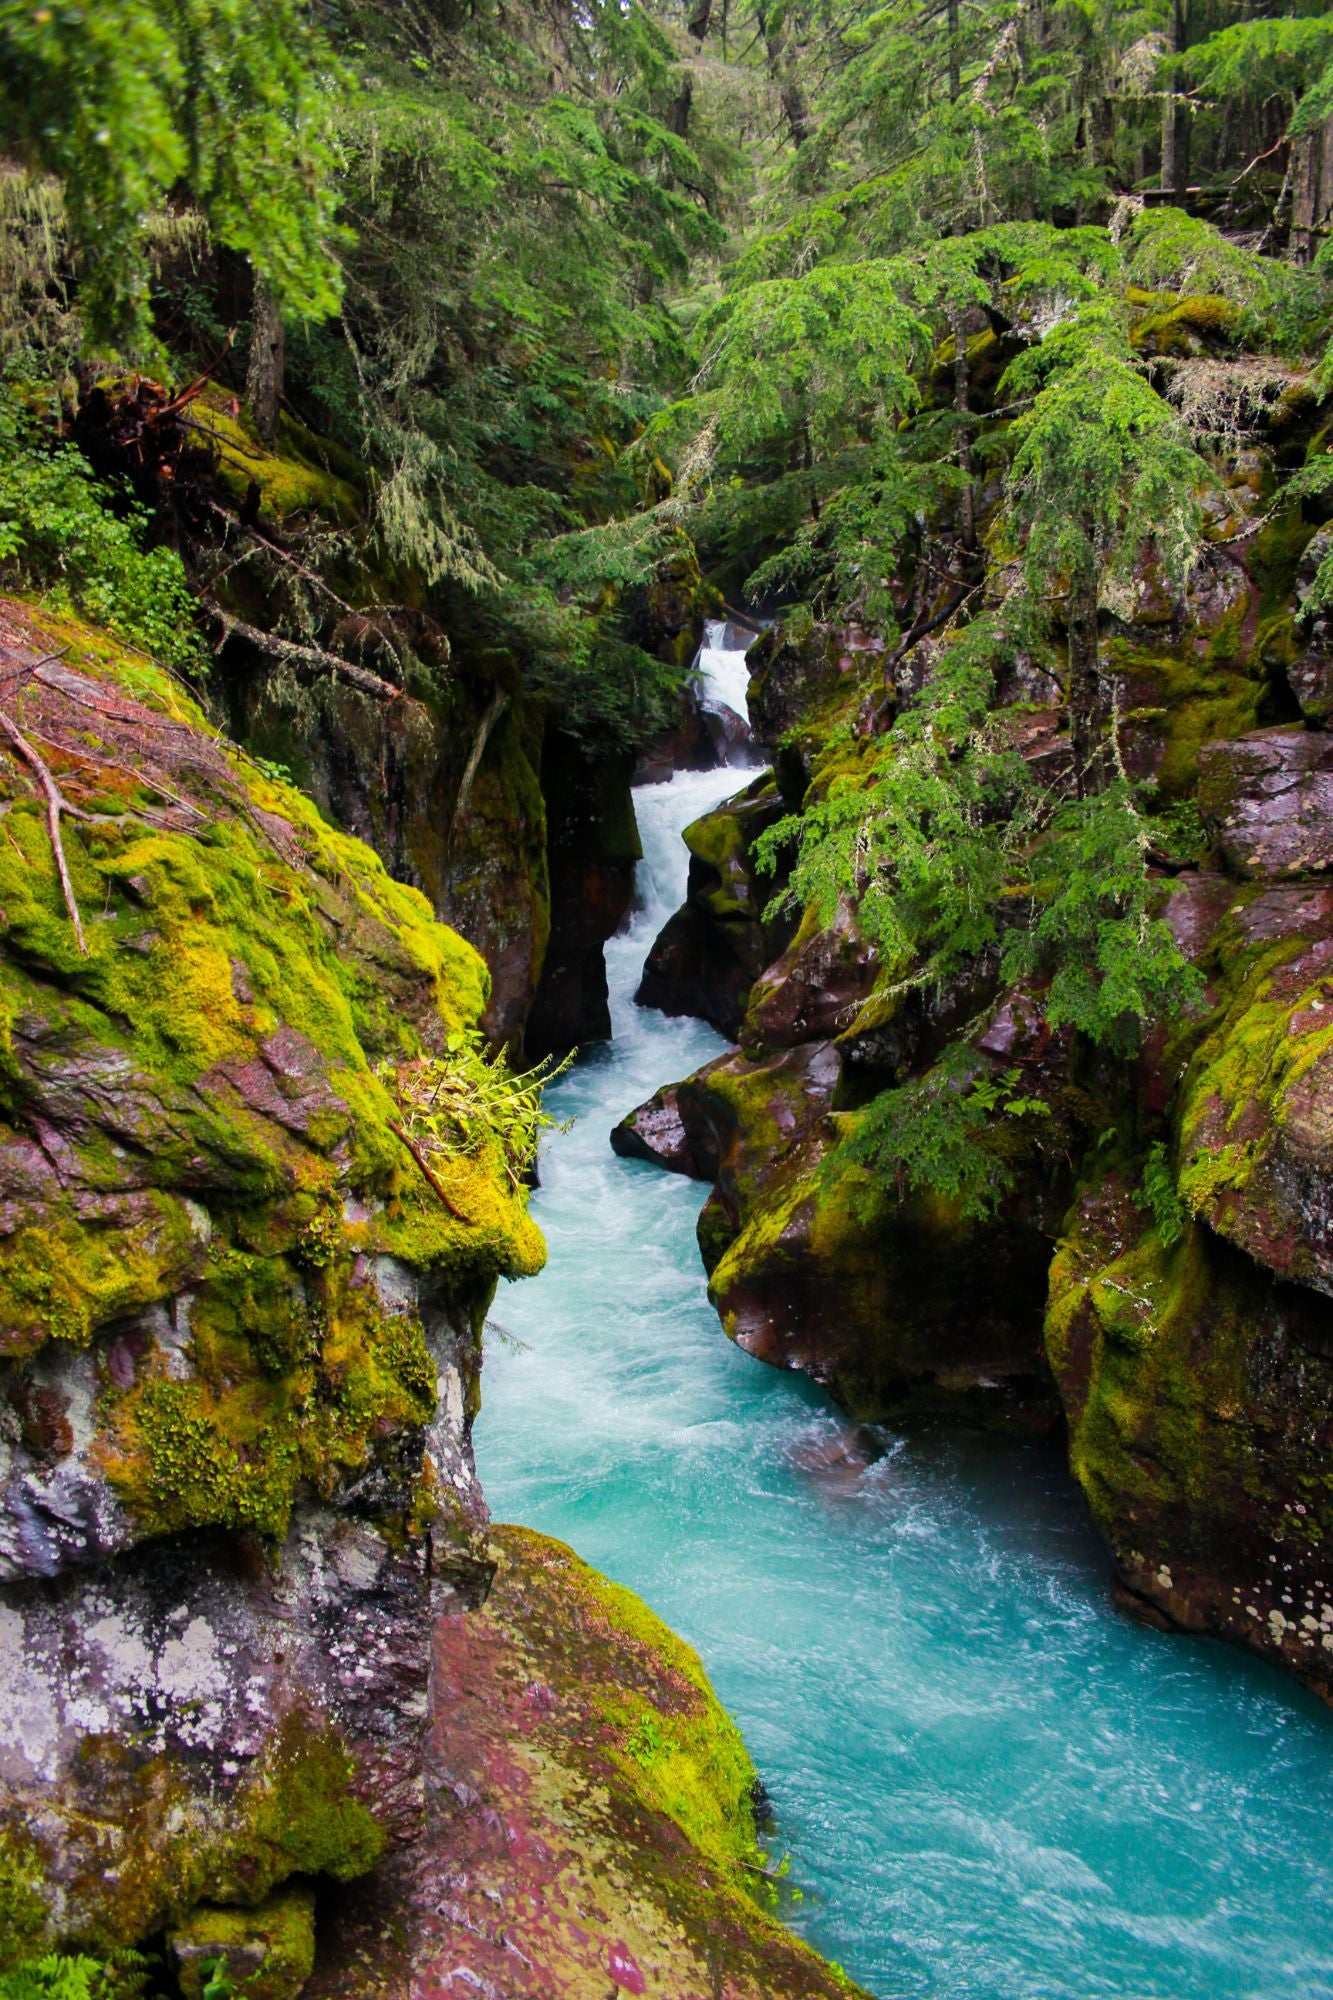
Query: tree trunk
678	112
955	73
264	370
1175	115
1084	693
961	388
1311	190
781	57
700	17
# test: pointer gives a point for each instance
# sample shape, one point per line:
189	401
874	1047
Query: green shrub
65	534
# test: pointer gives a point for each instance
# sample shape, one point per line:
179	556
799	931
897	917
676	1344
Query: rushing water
992	1787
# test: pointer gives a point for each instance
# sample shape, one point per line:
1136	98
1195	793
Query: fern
1158	1197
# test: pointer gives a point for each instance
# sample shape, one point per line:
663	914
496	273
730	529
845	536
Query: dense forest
389	394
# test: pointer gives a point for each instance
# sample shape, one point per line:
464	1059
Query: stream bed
991	1786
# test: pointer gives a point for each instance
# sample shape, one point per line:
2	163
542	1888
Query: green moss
280	1932
686	1760
306	1814
201	949
1186	325
23	1911
291	1391
1248	1064
62	1277
1152	1345
291	479
1193	699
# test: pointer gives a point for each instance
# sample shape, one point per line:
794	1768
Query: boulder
1267	801
591	1828
266	1953
1199	1397
238	1327
895	1301
657	1132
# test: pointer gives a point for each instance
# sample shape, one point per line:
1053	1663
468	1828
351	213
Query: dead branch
56	803
125	771
499	702
428	1171
293	653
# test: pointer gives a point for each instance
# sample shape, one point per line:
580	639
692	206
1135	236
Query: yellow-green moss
283	1929
1186	324
291	478
291	1390
687	1761
305	1816
23	1912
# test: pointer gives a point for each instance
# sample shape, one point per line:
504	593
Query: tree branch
420	1158
296	654
56	803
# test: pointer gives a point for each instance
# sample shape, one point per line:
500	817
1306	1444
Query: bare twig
428	1171
296	654
56	803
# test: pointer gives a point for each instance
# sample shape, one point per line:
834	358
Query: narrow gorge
666	1000
967	1751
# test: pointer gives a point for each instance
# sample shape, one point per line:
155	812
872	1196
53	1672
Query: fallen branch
56	803
428	1171
499	702
296	654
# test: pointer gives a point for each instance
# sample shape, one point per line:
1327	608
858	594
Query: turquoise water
992	1788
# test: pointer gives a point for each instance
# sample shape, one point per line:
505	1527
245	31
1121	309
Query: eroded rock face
896	1304
239	1339
656	1132
593	845
796	673
707	956
1256	1149
1268	800
1199	1394
572	1736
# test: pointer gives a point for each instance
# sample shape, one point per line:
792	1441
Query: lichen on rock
239	1325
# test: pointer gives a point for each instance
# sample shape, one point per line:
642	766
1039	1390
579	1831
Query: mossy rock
1197	1391
215	1065
265	1953
1195	324
587	1736
298	474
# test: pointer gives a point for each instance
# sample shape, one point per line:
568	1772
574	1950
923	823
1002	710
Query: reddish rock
1267	801
656	1132
549	1864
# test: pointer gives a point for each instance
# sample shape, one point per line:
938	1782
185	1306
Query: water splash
722	674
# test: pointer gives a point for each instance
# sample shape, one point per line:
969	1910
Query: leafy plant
64	533
469	1099
56	1978
1157	1195
931	1134
218	1984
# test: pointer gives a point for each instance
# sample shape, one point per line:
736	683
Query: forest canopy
963	326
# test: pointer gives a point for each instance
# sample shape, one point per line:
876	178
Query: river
991	1786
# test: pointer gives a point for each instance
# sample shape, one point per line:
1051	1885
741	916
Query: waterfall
722	674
